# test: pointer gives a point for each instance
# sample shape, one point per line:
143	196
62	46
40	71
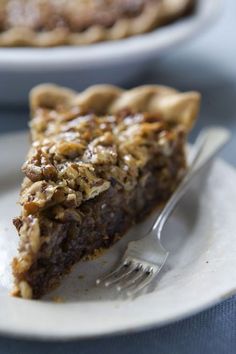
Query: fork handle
208	143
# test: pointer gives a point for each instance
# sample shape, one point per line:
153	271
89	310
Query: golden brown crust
173	106
153	15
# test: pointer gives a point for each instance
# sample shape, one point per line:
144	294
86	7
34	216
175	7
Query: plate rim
125	331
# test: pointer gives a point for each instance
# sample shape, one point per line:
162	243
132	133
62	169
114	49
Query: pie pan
115	62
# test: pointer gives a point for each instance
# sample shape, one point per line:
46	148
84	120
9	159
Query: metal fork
143	259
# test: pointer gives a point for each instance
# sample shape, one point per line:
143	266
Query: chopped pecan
39	167
17	223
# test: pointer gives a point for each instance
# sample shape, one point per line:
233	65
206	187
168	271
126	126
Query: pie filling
88	178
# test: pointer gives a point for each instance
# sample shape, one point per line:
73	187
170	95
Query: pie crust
45	23
100	160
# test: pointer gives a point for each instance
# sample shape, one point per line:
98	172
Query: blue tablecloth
206	64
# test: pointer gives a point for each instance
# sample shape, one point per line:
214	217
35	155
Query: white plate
199	273
111	62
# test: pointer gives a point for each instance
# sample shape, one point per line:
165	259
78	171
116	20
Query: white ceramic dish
200	271
111	62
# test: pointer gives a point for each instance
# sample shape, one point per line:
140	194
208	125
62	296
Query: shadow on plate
10	181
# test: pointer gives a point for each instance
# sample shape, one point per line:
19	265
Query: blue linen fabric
206	64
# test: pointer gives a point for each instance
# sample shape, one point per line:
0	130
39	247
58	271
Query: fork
143	259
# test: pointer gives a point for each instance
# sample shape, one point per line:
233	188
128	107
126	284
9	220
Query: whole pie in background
77	22
100	161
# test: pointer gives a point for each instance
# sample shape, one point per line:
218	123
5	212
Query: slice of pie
76	22
100	161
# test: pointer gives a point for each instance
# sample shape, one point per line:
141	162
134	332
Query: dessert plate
199	273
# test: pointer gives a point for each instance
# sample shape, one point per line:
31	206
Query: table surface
207	64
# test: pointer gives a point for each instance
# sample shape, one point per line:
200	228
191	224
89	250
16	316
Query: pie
100	160
76	22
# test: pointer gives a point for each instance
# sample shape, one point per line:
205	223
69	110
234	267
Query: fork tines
131	277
